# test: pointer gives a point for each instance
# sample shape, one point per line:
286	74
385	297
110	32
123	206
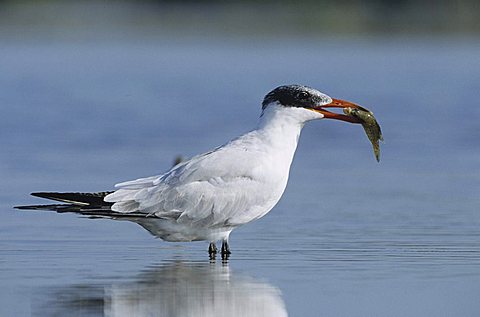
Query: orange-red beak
338	103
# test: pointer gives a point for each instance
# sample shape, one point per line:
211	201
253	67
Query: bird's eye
302	95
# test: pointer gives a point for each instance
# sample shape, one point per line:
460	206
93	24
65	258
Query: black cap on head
296	96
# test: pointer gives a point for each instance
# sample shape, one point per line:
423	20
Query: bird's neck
280	129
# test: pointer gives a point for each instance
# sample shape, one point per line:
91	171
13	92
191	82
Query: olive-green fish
370	125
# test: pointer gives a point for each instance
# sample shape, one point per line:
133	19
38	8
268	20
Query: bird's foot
212	250
225	250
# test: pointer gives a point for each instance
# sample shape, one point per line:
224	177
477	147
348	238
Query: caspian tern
209	195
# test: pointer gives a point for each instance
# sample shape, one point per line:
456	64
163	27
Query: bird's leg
212	250
225	249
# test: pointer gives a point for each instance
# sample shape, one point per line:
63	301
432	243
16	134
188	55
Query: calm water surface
350	237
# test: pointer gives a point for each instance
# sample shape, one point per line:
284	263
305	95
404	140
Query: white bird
208	196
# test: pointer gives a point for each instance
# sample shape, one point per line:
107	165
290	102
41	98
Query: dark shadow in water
173	289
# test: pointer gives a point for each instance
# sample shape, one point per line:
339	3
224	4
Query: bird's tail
88	204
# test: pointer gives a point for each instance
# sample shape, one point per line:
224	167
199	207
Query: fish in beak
354	113
338	103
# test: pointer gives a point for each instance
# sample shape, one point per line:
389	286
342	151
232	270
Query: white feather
206	197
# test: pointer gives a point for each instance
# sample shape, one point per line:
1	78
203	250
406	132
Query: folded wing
205	190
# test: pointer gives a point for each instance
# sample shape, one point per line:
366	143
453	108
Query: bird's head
308	102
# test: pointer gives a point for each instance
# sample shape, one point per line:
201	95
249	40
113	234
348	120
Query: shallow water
350	237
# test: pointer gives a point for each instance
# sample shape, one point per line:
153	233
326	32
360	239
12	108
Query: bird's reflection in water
175	289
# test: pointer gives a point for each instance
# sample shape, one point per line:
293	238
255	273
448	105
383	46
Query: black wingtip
42	194
76	198
20	207
41	207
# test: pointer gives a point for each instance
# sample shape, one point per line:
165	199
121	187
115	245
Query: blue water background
350	237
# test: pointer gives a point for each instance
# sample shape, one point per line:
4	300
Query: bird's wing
80	199
216	188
